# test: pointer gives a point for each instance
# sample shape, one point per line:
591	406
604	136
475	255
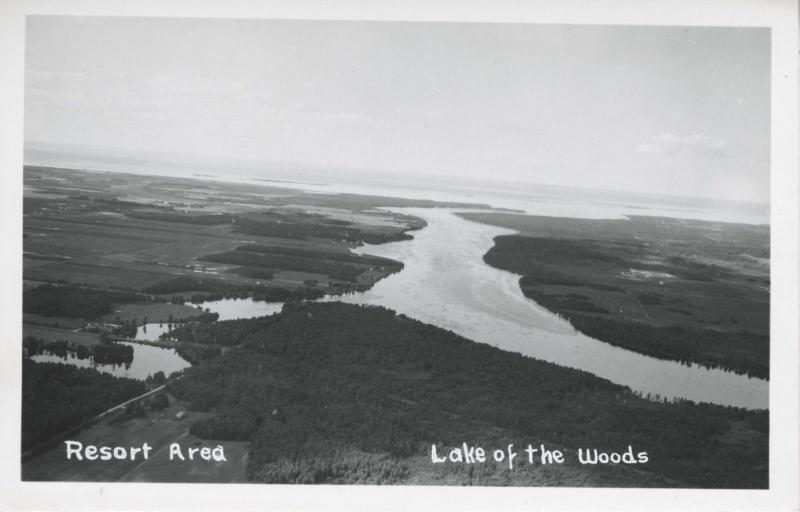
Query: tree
134	410
161	401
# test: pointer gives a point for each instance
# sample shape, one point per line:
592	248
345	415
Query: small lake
147	360
228	309
152	332
233	309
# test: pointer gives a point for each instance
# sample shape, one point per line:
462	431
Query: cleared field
59	322
159	468
157	429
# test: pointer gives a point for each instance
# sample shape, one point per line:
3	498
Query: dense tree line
334	269
320	380
215	289
56	397
197	354
518	252
112	353
160	402
225	333
347	257
190	283
742	352
677	236
125	328
274	224
158	378
203	219
538	258
254	272
570	301
285	226
73	301
102	353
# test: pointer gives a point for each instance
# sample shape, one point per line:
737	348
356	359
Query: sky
669	110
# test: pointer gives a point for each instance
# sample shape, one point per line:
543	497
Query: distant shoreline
548	200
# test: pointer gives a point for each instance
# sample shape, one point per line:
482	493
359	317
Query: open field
686	290
54	334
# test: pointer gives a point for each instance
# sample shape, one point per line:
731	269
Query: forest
225	333
678	297
742	352
56	397
73	301
322	380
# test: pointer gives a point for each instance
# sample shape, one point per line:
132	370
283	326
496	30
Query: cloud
703	145
697	144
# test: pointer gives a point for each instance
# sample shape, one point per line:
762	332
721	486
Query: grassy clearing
155	312
48	334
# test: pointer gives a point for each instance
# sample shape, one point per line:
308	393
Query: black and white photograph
308	251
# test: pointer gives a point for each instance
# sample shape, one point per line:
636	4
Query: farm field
128	232
104	253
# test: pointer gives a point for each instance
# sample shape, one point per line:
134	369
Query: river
446	283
